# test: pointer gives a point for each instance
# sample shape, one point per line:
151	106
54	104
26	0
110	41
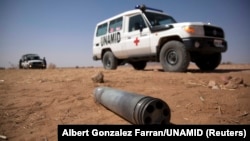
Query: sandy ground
34	102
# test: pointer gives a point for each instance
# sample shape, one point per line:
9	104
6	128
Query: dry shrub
227	63
52	66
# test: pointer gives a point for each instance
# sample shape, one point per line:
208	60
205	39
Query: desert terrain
34	102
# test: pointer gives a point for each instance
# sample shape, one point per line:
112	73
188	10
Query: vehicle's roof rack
144	7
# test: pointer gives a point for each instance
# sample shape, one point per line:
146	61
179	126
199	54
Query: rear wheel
174	57
109	61
208	62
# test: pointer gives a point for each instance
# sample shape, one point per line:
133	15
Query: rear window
102	29
115	25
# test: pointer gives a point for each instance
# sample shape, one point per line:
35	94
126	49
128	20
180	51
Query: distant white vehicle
149	35
32	61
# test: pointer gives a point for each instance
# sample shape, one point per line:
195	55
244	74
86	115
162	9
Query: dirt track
34	102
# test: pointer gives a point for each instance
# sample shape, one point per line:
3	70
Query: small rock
225	79
201	98
98	78
3	137
237	80
215	87
231	85
211	83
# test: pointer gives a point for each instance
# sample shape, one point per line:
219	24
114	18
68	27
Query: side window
115	25
102	29
136	22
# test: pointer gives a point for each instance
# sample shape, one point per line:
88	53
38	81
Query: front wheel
109	61
174	57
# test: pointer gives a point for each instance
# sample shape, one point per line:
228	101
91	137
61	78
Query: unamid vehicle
146	34
32	61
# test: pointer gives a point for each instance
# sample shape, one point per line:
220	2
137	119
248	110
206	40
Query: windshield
32	57
157	19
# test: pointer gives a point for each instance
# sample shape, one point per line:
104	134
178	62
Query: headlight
189	29
194	30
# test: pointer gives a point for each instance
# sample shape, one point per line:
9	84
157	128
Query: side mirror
141	28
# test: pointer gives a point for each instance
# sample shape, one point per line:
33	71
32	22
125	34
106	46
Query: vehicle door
137	38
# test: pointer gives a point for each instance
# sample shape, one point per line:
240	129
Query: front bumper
205	45
36	66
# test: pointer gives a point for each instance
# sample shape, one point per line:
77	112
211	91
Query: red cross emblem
136	41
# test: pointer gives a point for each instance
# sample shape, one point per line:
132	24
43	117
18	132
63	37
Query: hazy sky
62	30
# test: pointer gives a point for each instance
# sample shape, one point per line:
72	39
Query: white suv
149	35
32	61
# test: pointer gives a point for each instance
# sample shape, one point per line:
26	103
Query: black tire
174	57
20	64
109	61
140	65
45	63
208	62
